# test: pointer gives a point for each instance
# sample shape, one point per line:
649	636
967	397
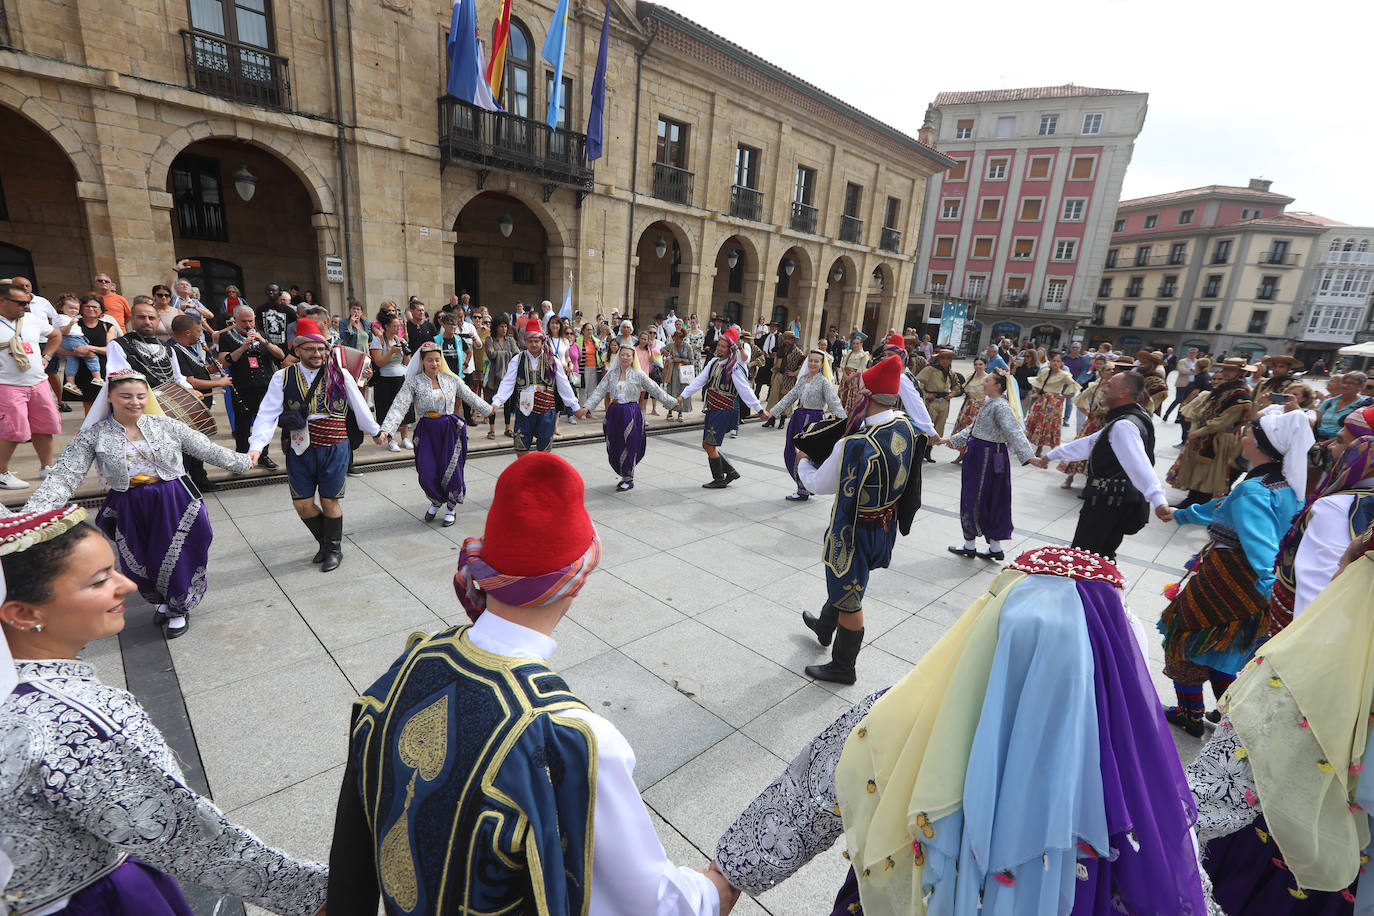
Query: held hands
765	415
1042	462
382	438
1164	513
582	413
679	404
728	894
253	457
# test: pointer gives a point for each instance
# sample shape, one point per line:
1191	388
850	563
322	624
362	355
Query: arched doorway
1046	335
840	297
882	288
45	232
245	215
735	289
502	254
792	280
661	281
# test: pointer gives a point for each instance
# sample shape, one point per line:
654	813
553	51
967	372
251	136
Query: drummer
139	349
188	346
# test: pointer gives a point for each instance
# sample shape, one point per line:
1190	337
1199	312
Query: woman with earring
441	436
96	816
624	384
152	511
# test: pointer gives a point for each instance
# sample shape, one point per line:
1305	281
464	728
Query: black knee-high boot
717	475
731	475
824	625
333	543
316	526
840	668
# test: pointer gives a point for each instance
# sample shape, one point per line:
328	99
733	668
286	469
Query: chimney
926	134
1260	184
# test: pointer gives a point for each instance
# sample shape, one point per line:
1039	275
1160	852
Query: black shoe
449	519
824	625
1178	717
1214	716
731	475
967	553
178	632
769	424
208	486
718	481
992	555
64	407
265	462
431	513
316	526
625	484
354	472
840	668
159	615
333	544
798	497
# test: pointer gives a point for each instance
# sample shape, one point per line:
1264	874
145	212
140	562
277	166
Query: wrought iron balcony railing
672	183
851	229
236	71
498	140
803	217
890	239
1278	259
746	203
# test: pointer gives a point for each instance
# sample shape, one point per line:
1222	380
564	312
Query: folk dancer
152	509
1341	505
1092	406
939	385
538	381
471	734
203	375
787	363
1052	388
1219	614
910	398
97	816
1282	809
724	379
974	396
310	400
441	436
1281	368
817	395
623	427
870	471
1022	765
985	494
1120	459
1204	466
1150	365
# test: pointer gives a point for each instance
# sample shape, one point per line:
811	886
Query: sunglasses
162	295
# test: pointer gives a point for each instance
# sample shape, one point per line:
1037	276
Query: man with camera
251	360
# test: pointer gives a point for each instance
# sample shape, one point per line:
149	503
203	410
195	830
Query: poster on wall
952	318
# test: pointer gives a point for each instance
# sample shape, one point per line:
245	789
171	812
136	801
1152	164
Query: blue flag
596	120
464	65
566	310
554	46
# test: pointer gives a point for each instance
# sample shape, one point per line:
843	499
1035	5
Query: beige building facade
306	142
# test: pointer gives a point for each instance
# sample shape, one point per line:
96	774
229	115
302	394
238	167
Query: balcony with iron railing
1052	304
509	143
803	217
746	203
235	71
673	184
1135	263
851	229
890	239
1352	258
1014	299
1278	259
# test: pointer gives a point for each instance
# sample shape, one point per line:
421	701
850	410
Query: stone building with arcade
309	142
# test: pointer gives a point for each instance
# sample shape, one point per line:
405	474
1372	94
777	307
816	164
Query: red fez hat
732	335
885	377
307	331
534	327
896	340
538	520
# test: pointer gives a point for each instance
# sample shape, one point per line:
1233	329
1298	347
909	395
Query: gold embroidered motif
424	740
395	861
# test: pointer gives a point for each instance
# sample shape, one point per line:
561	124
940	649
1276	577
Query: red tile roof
1024	95
1220	190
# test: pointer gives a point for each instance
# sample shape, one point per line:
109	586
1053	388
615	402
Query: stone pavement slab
701	589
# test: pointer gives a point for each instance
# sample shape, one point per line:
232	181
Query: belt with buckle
139	480
433	414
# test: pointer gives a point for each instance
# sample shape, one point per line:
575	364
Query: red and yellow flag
500	40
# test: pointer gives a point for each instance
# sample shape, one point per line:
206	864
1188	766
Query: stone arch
67	139
739	305
841	297
290	153
687	243
554	225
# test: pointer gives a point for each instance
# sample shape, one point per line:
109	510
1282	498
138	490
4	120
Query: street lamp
788	265
507	224
245	182
661	246
733	259
839	273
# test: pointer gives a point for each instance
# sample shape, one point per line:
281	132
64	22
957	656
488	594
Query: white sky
1238	90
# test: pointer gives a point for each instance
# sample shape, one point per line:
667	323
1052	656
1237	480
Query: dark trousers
764	376
1098	532
1180	392
245	413
355	436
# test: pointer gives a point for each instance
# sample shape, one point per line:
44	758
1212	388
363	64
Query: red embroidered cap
1069	562
538	520
732	335
533	327
896	340
885	377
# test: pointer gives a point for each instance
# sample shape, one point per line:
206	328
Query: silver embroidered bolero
420	392
628	390
105	445
997	423
87	780
816	393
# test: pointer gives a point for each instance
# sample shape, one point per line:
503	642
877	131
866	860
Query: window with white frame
963	129
1333	320
1049	125
1073	209
1092	124
1056	290
1006	125
949	208
975	286
1065	249
997	169
1152	221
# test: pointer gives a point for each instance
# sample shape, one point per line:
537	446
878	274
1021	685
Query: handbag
686	373
292	419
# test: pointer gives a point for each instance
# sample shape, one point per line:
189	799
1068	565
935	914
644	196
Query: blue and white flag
554	45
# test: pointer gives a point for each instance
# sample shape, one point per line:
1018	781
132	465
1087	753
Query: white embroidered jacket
87	780
815	393
627	390
106	446
420	392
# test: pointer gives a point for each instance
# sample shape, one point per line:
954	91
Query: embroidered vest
720	389
149	356
1285	569
479	795
874	472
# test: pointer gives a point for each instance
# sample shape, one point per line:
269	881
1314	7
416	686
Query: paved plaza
688	637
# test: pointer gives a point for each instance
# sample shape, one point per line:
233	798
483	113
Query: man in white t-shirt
28	408
38	305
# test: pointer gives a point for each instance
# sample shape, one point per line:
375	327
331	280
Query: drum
352	360
182	404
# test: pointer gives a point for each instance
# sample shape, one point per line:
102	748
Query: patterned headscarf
476	579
